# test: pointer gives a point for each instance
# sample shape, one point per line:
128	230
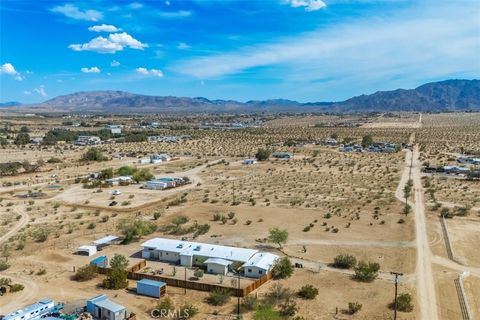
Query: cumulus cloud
41	91
152	72
104	28
115	42
114	63
27	93
309	5
90	70
8	68
71	11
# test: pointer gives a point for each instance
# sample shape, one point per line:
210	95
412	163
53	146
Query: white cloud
175	14
167	3
8	68
72	11
90	70
183	46
27	93
151	72
41	91
114	63
309	5
104	28
135	5
115	42
413	43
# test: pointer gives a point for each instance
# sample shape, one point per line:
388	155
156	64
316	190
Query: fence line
132	274
462	297
448	244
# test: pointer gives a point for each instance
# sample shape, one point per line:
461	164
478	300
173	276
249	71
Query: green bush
262	154
366	272
17	287
308	292
4	265
404	303
354	307
266	312
282	268
85	273
344	261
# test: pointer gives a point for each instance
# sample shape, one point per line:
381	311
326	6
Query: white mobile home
259	264
33	311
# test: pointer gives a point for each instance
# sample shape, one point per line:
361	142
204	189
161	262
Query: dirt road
425	282
19	225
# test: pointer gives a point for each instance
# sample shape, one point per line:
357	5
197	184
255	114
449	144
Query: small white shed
217	265
86	250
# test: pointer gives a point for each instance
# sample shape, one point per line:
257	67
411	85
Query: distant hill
9	104
449	95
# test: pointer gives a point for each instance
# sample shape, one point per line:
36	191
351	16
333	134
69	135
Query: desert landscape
377	208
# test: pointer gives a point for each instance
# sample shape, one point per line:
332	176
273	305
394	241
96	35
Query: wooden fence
193	285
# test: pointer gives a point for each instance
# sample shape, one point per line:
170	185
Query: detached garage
217	265
151	288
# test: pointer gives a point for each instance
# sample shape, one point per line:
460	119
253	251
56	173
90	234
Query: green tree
126	171
22	138
135	228
282	268
119	262
93	154
106	174
116	279
262	154
278	236
142	175
367	140
85	273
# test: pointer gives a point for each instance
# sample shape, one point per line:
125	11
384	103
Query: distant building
34	311
157	158
282	155
102	308
36	140
87	140
114	128
249	161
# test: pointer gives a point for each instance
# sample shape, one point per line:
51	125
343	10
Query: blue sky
306	50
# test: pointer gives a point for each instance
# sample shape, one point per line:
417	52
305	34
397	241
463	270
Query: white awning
105	240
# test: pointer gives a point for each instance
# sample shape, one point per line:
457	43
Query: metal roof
105	240
262	260
152	283
102	301
219	261
188	248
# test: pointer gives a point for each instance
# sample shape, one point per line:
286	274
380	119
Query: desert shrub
93	154
85	273
366	272
288	308
188	311
41	272
135	228
249	303
157	215
404	303
41	234
219	297
198	273
354	307
266	312
163	307
180	220
344	261
278	294
282	268
17	287
308	292
4	265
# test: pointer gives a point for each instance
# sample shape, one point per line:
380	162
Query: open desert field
329	202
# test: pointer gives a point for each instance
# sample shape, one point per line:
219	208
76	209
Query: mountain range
448	95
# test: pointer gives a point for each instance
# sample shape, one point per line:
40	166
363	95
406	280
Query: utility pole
185	292
233	192
397	274
238	296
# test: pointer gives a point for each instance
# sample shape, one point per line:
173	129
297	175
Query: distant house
114	128
87	140
34	311
156	158
249	161
282	155
36	140
330	142
119	180
102	308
